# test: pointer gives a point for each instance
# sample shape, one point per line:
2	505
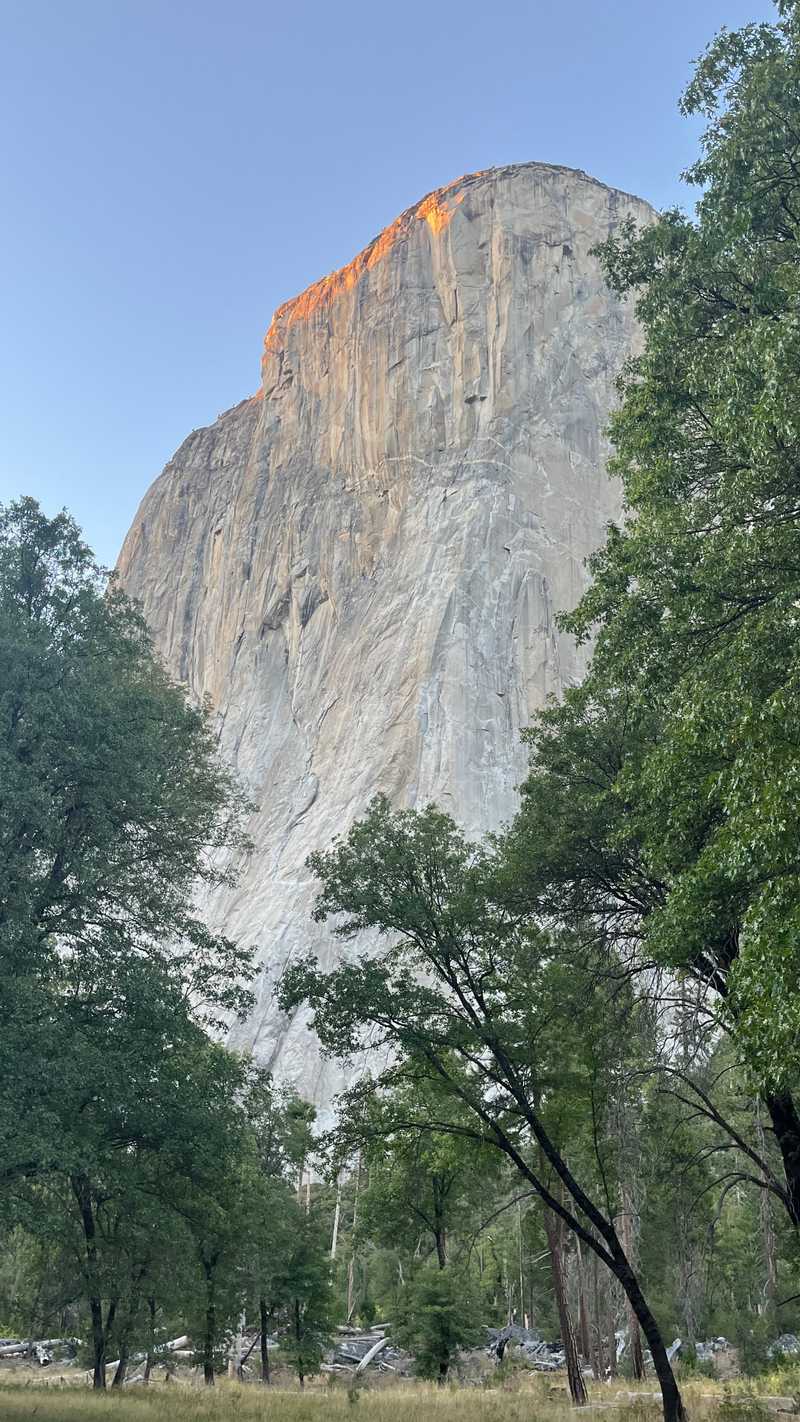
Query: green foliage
663	794
136	1155
305	1283
437	1315
533	1035
422	1184
695	601
752	1336
114	809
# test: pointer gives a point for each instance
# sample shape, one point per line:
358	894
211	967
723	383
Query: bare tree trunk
148	1365
555	1243
98	1344
611	1324
598	1362
336	1214
670	1392
263	1315
82	1190
441	1248
351	1265
520	1261
210	1329
298	1333
583	1312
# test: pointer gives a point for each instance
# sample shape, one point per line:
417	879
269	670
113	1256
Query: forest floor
525	1400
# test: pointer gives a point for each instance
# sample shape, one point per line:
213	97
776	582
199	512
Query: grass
228	1402
524	1399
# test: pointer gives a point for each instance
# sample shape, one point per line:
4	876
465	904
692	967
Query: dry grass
524	1399
413	1402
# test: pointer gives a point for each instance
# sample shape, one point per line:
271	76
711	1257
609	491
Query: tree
674	769
437	1315
305	1285
280	1124
114	810
421	1183
479	999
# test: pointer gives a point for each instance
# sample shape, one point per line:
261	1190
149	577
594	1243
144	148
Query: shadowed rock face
360	565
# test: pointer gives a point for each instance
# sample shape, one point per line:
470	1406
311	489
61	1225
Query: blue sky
172	170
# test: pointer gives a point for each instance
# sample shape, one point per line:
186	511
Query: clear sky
172	170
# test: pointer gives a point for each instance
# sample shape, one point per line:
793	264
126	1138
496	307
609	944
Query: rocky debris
41	1350
360	566
529	1347
788	1345
358	1350
707	1351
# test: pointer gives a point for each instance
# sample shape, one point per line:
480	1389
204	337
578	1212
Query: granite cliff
361	564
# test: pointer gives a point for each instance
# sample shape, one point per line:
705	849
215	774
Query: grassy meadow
519	1400
231	1403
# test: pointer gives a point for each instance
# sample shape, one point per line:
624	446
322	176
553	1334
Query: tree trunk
770	1253
786	1125
263	1316
441	1248
98	1344
336	1215
767	1228
298	1333
443	1371
634	1334
670	1393
584	1332
521	1261
611	1323
555	1244
210	1326
148	1364
598	1363
352	1263
122	1365
82	1191
608	1245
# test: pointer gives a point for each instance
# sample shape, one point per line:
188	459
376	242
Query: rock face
361	565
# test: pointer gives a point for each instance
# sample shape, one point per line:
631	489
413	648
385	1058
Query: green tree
484	1002
114	810
305	1287
437	1316
421	1183
280	1124
667	785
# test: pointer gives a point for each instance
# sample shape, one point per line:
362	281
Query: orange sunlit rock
436	211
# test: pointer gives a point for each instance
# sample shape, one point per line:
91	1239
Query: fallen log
175	1347
27	1345
373	1353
